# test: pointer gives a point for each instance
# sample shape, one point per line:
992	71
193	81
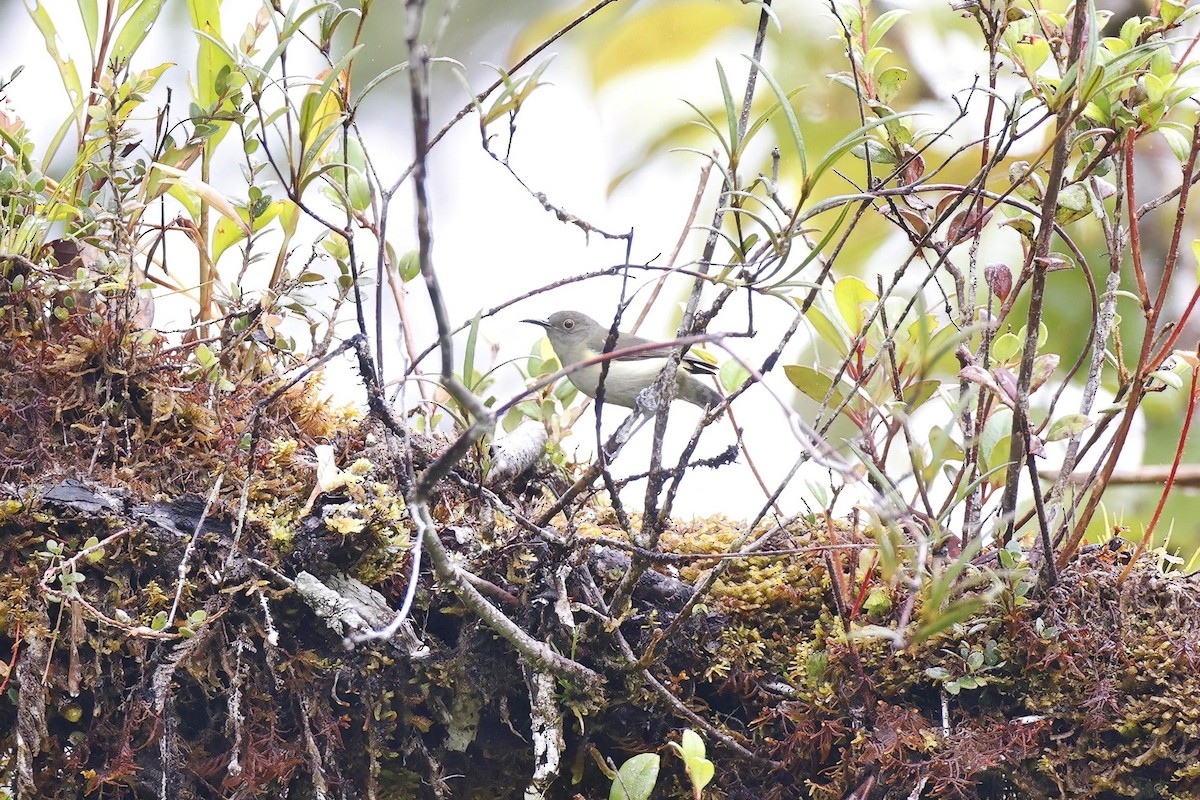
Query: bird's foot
647	402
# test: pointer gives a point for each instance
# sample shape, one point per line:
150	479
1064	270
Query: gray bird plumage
577	337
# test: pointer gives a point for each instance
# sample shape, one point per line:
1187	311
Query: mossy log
1088	691
185	569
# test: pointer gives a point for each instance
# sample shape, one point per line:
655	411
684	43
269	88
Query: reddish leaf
999	279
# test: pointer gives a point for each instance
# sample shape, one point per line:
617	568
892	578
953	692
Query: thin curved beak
545	325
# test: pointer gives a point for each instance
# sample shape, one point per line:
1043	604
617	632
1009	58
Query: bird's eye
568	324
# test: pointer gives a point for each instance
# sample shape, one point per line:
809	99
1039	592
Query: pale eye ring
568	324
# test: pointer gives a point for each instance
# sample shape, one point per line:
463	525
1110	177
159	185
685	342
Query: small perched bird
577	337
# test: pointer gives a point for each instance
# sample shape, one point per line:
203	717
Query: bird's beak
545	325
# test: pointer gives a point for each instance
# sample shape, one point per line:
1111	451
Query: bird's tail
693	391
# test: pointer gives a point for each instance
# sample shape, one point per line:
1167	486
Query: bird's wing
693	364
697	365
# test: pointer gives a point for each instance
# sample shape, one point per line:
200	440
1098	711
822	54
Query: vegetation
221	582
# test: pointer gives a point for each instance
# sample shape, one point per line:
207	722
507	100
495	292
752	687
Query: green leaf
203	190
890	82
96	555
993	445
732	375
1006	347
89	13
1075	197
357	185
378	79
699	769
636	778
1180	144
1043	368
816	251
850	293
943	618
510	99
828	330
883	24
1068	426
853	140
470	377
159	622
210	59
1032	52
793	124
636	42
919	393
321	117
1043	334
204	356
874	151
409	266
878	602
813	383
66	65
873	57
565	392
225	235
134	31
731	114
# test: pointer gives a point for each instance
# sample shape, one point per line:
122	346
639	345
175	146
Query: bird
576	338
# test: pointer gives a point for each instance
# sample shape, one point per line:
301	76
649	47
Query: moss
1091	692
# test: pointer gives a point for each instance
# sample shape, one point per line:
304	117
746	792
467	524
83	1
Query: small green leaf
1006	347
159	622
883	24
920	392
699	769
831	333
1068	426
409	266
204	356
943	618
1180	144
874	151
943	446
95	555
732	376
993	445
878	602
890	82
1032	52
812	383
566	393
850	293
133	31
1043	367
873	57
636	778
